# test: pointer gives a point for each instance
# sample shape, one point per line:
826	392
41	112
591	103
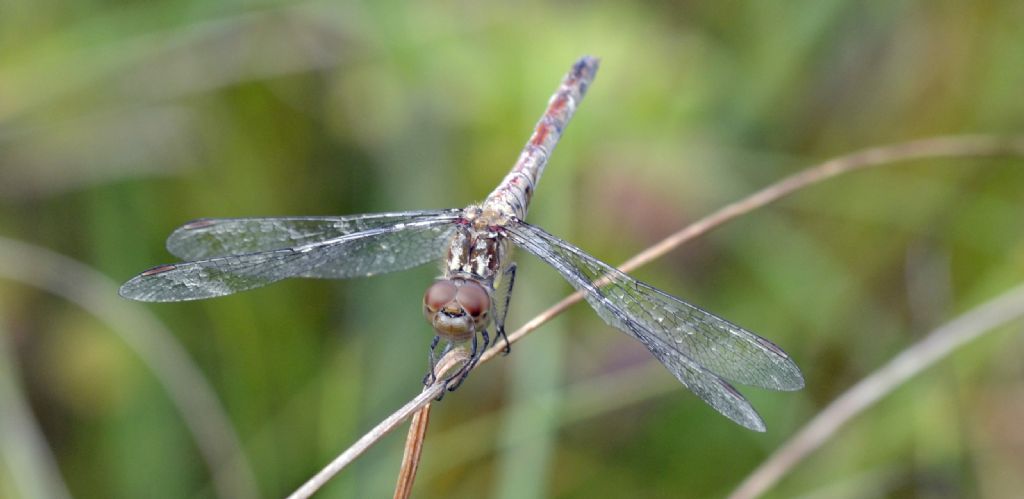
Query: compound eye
439	294
474	299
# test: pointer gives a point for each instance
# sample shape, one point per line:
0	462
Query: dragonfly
469	302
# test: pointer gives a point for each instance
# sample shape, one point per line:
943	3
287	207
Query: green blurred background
121	120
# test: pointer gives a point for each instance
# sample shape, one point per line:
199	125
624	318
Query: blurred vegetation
121	120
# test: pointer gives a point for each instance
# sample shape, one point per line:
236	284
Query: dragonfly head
456	308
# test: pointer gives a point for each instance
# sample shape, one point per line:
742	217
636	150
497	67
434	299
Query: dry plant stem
413	451
452	358
383	428
418	429
193	397
936	147
939	343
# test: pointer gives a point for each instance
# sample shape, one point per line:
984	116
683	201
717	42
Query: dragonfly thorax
456	308
477	249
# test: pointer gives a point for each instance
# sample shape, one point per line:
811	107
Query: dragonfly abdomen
516	189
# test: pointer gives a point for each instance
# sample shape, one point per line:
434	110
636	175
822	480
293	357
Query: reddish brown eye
473	298
438	294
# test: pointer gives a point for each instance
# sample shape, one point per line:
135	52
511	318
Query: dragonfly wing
213	237
383	249
210	278
717	393
400	246
696	346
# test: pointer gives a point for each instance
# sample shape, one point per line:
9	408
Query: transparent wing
698	347
212	237
398	246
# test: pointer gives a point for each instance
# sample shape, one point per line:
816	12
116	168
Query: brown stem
413	451
452	358
418	428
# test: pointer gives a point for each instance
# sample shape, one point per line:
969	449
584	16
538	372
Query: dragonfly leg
499	318
508	347
473	359
455	380
487	343
431	376
433	369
